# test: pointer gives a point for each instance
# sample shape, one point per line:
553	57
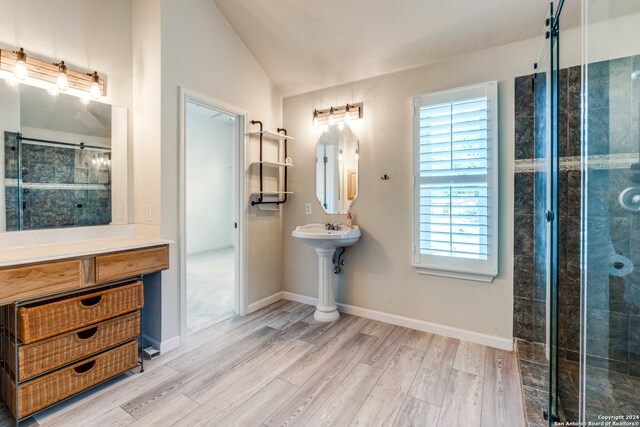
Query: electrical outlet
307	209
147	212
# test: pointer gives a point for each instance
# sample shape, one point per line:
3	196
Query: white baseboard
164	345
264	302
407	322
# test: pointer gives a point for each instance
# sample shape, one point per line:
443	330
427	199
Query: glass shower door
610	308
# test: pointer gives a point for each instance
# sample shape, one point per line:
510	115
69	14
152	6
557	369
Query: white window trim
458	268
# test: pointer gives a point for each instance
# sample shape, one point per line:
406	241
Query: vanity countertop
49	252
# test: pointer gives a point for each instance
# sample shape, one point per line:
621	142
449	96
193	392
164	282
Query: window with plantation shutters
455	182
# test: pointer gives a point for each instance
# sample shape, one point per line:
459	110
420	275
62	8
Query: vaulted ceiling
305	45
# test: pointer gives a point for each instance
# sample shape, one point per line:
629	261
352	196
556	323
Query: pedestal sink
325	243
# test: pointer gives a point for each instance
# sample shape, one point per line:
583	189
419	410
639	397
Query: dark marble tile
563	185
523	318
621	129
531	351
539	321
523	192
536	401
574	88
574	185
524	137
607	335
534	375
635	382
620	83
598	131
574	128
597	92
634	339
620	230
570	287
523	276
524	96
635	84
572	329
611	365
523	235
573	235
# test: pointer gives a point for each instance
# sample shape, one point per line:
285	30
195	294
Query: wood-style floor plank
261	405
223	361
116	417
417	413
246	331
502	401
470	358
377	328
308	365
345	401
382	352
432	378
293	317
237	321
216	379
382	406
419	340
221	405
168	413
462	404
298	409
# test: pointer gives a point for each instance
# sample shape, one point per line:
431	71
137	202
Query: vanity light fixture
94	91
53	77
335	115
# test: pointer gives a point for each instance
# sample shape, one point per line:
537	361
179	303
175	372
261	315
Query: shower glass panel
609	375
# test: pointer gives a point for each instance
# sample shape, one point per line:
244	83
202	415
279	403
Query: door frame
240	209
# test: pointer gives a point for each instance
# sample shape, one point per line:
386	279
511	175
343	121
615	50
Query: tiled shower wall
613	318
50	187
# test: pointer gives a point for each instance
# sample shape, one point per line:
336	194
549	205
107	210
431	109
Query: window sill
477	277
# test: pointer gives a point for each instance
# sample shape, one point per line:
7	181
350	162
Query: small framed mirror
337	169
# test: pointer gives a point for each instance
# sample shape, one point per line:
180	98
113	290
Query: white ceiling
305	45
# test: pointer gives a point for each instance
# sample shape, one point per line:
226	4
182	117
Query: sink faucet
332	227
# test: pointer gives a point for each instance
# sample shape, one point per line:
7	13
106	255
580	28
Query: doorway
211	247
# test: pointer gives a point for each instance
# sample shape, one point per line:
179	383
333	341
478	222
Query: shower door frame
552	214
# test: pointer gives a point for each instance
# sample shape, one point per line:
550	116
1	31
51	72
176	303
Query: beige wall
202	53
86	34
378	274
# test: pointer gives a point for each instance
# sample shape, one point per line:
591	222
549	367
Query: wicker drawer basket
49	389
42	321
45	355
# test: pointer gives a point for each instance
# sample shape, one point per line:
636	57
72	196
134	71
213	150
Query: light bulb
20	71
94	92
63	81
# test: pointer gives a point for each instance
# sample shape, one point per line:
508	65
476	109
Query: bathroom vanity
70	316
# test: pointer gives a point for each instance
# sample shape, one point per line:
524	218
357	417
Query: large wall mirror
63	161
337	169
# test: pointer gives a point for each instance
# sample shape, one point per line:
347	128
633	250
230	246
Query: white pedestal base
326	310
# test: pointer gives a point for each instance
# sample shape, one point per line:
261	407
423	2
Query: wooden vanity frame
51	277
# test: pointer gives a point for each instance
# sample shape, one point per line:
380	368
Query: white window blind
455	138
